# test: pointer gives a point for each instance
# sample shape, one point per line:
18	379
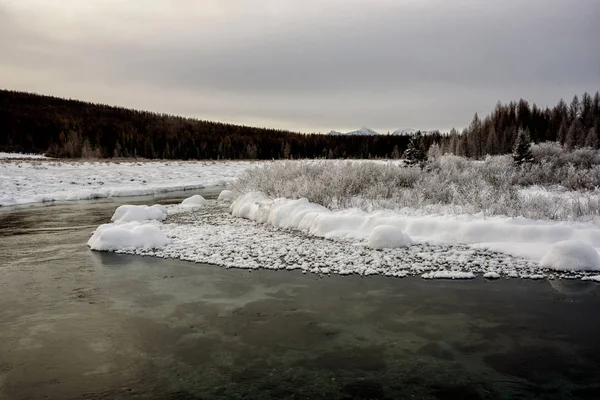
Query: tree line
33	123
573	125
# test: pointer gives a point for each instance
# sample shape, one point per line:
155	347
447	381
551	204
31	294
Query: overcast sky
306	65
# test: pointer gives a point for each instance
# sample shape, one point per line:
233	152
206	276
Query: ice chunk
445	274
388	237
491	275
129	213
194	201
225	195
110	237
571	255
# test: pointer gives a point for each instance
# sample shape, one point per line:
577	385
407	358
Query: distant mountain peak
364	131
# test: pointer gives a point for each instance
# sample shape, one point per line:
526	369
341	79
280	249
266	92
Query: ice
225	195
194	201
111	237
571	255
491	275
388	237
445	274
129	213
52	180
21	156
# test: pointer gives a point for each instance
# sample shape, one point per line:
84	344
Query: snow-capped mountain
410	131
370	132
362	131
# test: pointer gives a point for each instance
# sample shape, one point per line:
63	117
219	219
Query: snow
225	195
194	201
38	181
129	213
491	275
445	274
571	255
21	156
111	237
519	237
388	237
594	278
211	234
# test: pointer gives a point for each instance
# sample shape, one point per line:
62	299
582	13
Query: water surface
78	324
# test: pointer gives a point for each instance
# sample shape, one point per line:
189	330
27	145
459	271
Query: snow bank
194	201
110	237
388	237
21	155
225	195
571	255
445	274
130	213
49	180
518	237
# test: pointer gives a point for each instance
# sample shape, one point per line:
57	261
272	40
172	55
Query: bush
556	186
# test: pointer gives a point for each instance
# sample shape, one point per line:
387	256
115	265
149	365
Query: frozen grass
556	187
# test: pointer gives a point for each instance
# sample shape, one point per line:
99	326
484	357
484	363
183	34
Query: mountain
370	132
362	132
410	131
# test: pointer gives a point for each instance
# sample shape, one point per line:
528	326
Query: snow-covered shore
257	232
39	181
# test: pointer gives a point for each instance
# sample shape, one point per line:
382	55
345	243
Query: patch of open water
77	324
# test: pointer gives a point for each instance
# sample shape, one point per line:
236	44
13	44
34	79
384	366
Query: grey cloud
428	64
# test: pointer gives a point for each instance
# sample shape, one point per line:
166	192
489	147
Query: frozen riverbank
210	234
37	181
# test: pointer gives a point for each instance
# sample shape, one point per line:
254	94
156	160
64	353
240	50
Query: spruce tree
522	148
414	153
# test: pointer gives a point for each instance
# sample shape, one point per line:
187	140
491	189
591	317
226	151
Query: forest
33	123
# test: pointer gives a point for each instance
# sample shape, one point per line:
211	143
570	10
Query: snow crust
111	237
225	195
571	255
39	181
194	201
388	237
129	213
445	274
519	237
21	155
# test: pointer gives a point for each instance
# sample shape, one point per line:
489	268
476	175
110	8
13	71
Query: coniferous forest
77	129
69	128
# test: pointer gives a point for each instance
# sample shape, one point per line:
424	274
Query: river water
76	324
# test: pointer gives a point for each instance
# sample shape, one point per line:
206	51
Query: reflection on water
92	325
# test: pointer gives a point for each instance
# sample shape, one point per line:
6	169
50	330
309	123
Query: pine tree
522	148
591	140
414	153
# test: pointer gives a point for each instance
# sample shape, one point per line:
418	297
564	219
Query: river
77	324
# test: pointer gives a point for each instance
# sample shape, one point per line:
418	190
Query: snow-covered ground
37	181
257	232
21	156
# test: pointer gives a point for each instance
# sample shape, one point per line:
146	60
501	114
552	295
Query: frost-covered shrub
495	186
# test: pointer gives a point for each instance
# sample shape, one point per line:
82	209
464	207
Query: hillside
33	123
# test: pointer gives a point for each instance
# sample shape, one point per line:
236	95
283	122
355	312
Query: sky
304	65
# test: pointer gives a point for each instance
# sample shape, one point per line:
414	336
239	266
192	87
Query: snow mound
130	213
225	195
445	274
194	201
571	255
255	206
110	237
388	237
491	275
595	278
